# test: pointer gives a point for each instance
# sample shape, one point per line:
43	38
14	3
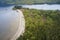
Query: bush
17	7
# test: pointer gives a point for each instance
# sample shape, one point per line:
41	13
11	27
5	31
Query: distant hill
29	1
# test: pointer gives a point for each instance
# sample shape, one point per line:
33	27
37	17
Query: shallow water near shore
9	22
11	26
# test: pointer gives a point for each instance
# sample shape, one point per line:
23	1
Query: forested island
41	24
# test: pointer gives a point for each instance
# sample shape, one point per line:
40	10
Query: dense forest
29	1
41	25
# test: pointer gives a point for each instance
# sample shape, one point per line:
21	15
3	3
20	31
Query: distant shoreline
1	5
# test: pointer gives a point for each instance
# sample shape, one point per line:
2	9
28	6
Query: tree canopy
29	1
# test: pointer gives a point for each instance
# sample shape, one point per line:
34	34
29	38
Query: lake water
9	21
8	16
43	7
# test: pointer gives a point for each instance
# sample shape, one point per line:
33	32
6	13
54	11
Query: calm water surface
43	7
9	21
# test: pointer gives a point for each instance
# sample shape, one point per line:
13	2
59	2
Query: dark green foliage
41	25
17	7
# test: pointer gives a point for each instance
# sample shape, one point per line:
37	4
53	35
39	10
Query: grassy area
41	25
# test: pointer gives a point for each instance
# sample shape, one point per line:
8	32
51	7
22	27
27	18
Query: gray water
9	21
43	7
12	23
